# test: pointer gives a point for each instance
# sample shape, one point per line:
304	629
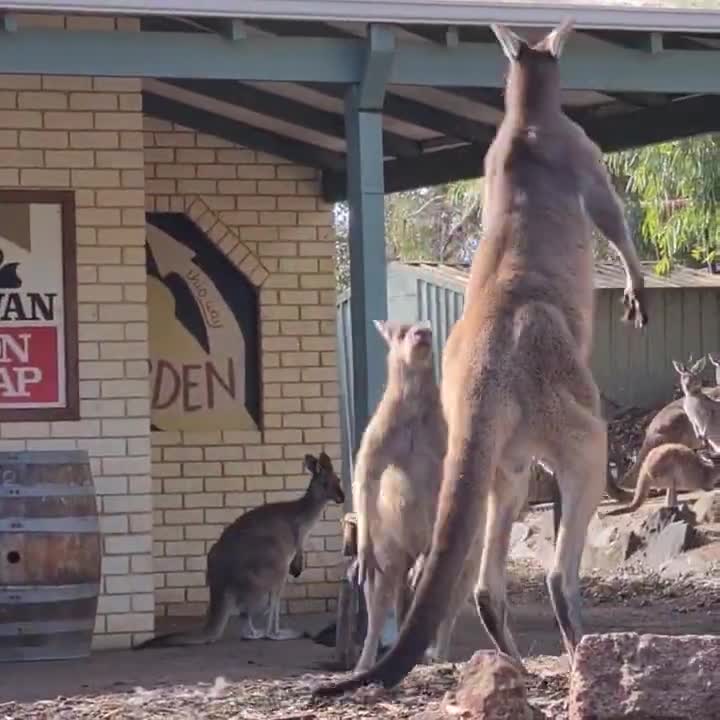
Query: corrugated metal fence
632	368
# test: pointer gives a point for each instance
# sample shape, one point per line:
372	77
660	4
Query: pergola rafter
380	95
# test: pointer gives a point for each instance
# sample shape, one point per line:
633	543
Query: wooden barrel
50	555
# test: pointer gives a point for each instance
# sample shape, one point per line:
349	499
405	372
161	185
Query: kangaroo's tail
644	483
631	476
216	620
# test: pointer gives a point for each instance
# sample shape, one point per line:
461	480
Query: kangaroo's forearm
614	227
606	211
363	500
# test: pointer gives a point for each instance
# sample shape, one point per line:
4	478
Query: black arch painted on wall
236	289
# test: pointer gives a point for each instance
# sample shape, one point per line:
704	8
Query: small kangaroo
247	567
397	480
517	384
673	467
702	411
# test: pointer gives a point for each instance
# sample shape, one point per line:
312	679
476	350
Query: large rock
626	676
668	543
663	516
491	687
606	548
707	507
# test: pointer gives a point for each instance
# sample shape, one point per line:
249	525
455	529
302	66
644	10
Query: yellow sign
203	332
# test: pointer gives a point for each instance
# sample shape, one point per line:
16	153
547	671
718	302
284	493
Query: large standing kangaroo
516	377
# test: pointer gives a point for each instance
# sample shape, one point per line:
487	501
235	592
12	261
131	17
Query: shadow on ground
120	671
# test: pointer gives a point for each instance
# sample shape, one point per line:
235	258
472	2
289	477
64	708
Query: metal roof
661	15
431	133
608	275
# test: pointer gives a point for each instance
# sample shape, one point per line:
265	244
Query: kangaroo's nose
422	334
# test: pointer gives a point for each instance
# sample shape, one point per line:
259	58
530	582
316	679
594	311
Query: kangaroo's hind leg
504	502
274	631
581	461
379	596
439	651
671	496
220	608
260	608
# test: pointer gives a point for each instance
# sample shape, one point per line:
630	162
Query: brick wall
267	216
85	134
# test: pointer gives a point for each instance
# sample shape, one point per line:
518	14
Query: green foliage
673	190
441	224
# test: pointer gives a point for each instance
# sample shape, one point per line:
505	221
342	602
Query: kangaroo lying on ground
516	377
397	480
247	567
670	425
702	411
674	467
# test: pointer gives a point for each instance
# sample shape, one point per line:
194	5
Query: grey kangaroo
397	480
247	567
702	411
516	378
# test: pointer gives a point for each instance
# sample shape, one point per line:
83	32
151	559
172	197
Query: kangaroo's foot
285	634
249	632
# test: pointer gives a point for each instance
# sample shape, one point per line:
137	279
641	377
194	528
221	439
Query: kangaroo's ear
387	328
699	366
554	42
325	462
311	463
714	359
510	43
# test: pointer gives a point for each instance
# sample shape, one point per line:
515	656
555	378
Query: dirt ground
265	680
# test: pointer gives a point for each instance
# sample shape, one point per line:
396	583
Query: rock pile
491	687
626	676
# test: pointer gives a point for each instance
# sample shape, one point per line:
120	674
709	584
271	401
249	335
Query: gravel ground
273	681
286	699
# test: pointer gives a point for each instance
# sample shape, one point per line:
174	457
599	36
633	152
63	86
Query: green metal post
366	199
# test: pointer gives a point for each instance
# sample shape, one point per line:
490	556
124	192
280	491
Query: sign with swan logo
204	348
38	310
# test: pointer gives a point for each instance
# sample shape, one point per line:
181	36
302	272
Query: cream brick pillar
85	134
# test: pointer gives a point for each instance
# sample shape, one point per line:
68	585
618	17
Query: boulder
707	508
491	687
666	545
664	535
626	676
663	516
606	548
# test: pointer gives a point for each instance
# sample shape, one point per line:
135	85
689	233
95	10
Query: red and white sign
33	312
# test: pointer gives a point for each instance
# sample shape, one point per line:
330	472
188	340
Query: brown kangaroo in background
397	479
670	425
247	567
673	467
516	378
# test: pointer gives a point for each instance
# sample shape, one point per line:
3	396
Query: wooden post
346	647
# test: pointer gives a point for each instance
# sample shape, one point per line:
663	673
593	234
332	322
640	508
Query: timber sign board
204	344
38	306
